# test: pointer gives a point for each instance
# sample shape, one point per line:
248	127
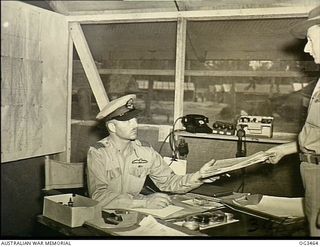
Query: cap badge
129	104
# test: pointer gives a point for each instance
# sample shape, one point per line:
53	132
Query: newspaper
227	165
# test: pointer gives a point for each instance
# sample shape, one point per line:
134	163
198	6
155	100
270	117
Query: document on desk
227	165
149	226
206	204
162	212
280	206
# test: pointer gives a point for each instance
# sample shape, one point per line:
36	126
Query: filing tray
79	210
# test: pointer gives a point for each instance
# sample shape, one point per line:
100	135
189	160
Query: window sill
278	137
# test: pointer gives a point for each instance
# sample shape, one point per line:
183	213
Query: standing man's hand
157	200
276	153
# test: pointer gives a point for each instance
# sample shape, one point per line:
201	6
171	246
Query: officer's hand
208	169
157	200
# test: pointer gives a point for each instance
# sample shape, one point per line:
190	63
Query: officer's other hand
211	179
157	200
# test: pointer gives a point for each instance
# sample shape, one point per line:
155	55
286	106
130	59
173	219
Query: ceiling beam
252	13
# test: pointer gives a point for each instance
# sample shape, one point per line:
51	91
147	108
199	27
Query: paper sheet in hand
162	212
280	206
150	227
227	165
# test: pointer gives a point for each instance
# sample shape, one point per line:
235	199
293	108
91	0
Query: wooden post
66	156
180	68
149	99
88	64
234	98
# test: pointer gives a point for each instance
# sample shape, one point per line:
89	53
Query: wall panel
34	49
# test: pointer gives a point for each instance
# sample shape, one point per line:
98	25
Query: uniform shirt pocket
139	170
113	173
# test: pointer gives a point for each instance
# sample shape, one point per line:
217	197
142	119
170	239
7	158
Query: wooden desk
253	226
88	231
247	226
55	228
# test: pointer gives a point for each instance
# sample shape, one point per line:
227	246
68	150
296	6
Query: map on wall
21	107
25	102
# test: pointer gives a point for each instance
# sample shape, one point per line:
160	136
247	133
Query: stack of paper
280	206
227	165
161	213
149	226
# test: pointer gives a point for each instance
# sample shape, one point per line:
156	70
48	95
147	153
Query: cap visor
300	30
129	115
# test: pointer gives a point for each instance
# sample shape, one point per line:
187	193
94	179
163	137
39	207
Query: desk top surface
245	225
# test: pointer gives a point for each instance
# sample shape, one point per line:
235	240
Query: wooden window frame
181	18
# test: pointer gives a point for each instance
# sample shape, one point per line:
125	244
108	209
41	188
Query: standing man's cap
300	30
121	109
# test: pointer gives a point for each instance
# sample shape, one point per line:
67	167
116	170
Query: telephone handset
196	123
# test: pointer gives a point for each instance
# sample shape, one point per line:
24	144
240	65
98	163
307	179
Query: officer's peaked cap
121	109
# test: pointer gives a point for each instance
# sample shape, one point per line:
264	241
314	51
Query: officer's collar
129	147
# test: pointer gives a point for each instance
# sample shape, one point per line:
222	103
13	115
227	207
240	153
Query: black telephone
195	123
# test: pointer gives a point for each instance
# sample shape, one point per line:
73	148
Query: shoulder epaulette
144	144
98	145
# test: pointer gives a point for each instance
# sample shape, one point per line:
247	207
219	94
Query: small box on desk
71	210
256	125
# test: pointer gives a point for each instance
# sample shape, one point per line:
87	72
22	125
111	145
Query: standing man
308	144
118	164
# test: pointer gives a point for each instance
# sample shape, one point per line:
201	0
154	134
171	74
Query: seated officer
118	164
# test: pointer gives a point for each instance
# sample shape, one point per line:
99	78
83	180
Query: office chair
64	177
